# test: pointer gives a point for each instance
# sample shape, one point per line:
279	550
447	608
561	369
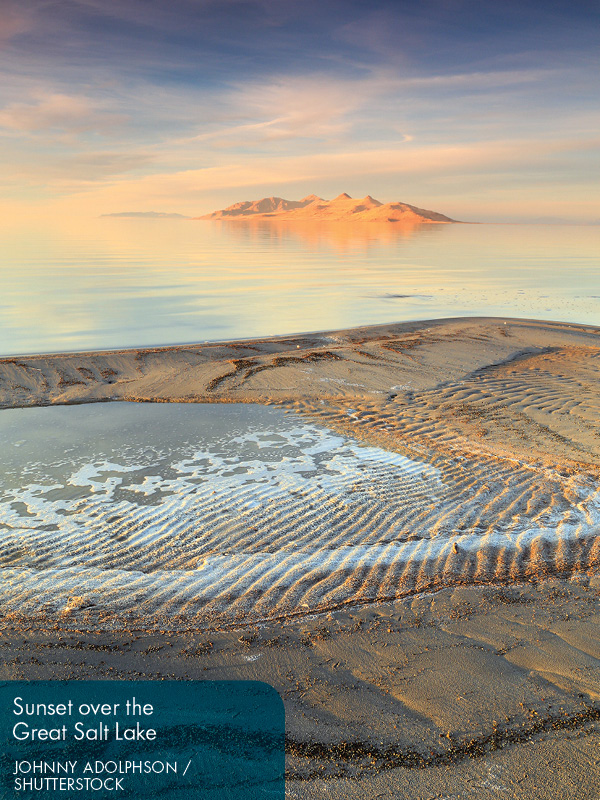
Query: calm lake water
133	282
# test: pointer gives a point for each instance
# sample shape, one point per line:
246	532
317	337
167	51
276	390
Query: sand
464	666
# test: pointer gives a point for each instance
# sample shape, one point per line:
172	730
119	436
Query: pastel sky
480	110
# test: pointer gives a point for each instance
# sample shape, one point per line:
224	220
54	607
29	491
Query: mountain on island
342	208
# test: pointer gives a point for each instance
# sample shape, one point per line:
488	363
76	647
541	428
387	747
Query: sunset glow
480	111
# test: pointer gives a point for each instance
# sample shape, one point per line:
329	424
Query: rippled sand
245	513
417	457
407	548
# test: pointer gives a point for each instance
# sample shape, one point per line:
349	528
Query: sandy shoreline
469	670
467	692
475	366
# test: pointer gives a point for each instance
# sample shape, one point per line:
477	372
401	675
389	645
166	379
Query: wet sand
507	385
466	670
468	692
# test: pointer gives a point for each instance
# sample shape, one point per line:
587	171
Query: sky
485	111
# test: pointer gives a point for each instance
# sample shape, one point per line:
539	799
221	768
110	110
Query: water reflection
342	237
135	282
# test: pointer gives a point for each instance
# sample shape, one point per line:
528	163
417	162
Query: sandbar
472	672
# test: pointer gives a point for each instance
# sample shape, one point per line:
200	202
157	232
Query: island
342	208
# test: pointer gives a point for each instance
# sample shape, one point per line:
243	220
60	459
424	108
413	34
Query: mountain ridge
341	208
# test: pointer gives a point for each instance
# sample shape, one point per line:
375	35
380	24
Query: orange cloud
193	190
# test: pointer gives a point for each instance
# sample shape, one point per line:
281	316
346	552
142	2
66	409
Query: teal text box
141	740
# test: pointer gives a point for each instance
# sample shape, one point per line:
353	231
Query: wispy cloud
191	97
409	164
287	107
57	112
329	109
98	166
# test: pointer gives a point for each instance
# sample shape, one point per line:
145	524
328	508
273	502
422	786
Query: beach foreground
477	692
466	665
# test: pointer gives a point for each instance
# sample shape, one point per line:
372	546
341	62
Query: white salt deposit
245	511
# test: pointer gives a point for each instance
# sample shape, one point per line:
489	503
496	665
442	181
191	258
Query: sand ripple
286	519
